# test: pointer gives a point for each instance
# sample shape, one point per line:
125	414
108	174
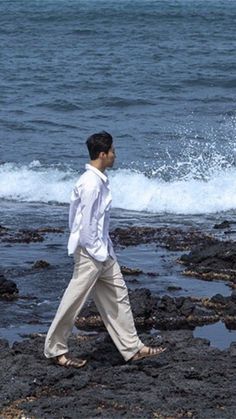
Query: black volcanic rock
189	380
225	307
130	271
8	288
26	235
165	313
41	264
170	238
224	224
216	261
142	303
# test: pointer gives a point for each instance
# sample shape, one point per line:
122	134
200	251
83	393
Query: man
96	271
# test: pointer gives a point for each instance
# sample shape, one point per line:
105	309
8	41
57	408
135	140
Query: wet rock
56	230
210	275
164	313
167	313
224	224
191	379
3	230
153	274
233	296
179	301
220	304
181	313
26	235
201	312
4	344
219	299
224	307
173	288
130	271
142	303
216	261
132	281
41	264
171	238
167	305
230	322
187	307
232	349
8	288
22	236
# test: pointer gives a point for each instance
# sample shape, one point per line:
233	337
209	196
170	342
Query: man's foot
66	361
147	351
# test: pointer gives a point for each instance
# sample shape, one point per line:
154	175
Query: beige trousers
105	283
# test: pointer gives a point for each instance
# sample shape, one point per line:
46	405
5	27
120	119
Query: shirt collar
98	172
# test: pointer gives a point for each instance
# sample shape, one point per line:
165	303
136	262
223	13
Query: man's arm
90	204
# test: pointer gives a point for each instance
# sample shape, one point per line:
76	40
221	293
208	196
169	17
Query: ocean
160	77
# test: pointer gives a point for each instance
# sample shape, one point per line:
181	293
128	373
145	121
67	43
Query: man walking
96	270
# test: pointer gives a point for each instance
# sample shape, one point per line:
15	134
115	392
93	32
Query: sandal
150	352
69	362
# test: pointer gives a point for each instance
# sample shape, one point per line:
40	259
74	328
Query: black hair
96	143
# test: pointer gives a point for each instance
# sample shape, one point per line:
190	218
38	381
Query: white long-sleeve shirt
90	214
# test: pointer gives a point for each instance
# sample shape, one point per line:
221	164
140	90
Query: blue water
158	75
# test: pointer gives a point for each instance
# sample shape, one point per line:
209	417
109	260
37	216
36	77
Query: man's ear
102	154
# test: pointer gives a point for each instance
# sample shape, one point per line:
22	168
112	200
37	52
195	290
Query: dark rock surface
3	230
216	261
224	224
190	380
166	313
26	235
41	264
174	288
171	238
8	288
225	307
22	236
50	230
142	304
130	271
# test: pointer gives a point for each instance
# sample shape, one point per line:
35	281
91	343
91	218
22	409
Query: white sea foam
131	190
135	191
34	183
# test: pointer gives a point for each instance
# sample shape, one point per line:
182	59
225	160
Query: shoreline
192	379
169	261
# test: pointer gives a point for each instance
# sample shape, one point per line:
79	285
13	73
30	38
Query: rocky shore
190	380
169	313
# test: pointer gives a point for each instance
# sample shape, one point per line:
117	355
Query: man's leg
110	295
85	275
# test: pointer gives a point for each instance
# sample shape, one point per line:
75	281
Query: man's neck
97	164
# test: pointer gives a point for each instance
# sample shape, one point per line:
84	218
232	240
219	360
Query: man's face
109	158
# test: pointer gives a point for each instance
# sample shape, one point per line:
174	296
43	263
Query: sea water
158	75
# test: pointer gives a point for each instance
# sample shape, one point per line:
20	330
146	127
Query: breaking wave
132	190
